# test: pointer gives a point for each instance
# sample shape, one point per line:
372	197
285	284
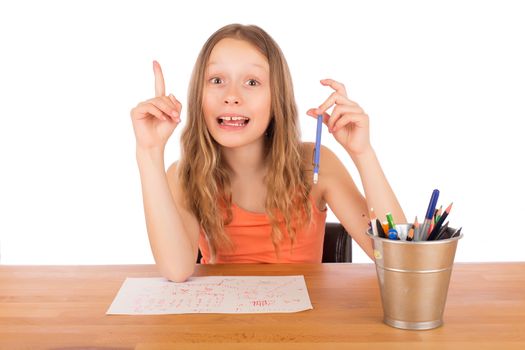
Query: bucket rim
392	241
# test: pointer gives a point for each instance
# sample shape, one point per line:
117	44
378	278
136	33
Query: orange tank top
251	235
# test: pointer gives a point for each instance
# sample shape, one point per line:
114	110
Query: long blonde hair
204	175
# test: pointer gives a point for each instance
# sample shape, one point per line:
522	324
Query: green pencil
390	220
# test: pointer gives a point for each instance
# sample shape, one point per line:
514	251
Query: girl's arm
344	198
350	126
173	232
379	195
346	201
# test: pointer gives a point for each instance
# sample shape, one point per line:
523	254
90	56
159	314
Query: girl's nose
232	97
231	100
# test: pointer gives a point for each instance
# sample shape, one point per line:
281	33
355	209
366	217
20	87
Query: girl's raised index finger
159	80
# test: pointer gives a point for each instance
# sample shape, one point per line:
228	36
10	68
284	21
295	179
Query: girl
243	191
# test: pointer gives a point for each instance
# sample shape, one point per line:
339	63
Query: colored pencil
430	229
437	227
410	235
456	233
442	233
438	214
416	229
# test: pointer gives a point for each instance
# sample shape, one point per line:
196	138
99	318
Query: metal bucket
413	280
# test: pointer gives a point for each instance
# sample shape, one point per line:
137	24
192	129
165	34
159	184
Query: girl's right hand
155	119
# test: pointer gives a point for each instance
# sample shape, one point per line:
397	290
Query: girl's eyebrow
250	64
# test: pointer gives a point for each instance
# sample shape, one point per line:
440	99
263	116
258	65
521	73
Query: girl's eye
217	80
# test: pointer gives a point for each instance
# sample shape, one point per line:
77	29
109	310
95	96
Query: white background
442	81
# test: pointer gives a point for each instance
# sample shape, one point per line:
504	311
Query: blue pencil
317	154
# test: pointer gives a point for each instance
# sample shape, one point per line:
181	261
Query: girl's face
236	95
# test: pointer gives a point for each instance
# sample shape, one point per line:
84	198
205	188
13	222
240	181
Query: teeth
233	118
234	124
236	121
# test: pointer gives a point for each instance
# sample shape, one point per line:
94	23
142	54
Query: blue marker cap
432	204
392	234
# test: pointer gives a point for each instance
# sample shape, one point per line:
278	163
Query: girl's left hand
348	123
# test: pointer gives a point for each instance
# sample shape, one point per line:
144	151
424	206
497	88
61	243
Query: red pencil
430	229
437	227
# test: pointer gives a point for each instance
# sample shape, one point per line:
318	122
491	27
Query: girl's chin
237	141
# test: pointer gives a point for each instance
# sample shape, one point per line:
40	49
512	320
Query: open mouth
236	121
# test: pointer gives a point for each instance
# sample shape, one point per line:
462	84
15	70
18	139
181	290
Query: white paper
211	294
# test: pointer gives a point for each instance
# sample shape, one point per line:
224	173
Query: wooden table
59	307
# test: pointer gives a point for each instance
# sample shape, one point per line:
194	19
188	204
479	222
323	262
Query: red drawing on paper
212	294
